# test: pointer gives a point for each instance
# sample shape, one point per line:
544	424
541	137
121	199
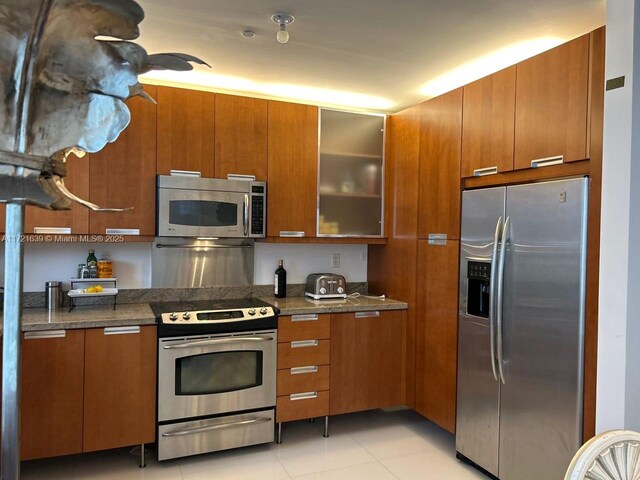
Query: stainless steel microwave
211	207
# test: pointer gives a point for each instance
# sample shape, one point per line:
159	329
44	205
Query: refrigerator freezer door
477	422
544	291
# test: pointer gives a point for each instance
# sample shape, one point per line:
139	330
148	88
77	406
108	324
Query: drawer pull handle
300	370
481	172
304	318
52	230
185	173
121	330
303	396
45	334
304	343
290	233
375	313
122	231
546	162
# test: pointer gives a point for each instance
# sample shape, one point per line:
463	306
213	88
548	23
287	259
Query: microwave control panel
258	216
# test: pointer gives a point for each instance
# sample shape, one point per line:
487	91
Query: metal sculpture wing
66	68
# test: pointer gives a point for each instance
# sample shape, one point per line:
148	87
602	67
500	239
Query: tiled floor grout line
374	457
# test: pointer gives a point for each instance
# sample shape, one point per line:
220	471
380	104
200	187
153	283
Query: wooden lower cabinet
437	332
303	367
367	361
120	387
52	379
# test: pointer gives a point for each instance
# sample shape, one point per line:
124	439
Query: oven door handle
220	426
220	341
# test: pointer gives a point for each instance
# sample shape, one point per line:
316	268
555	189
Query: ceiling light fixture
248	34
282	19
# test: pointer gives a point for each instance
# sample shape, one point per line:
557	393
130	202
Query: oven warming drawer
220	433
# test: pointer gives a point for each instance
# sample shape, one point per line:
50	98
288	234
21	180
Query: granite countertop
99	316
302	305
94	316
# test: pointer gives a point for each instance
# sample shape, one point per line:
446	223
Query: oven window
201	213
218	372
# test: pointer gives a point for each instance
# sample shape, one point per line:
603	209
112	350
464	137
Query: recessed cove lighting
488	64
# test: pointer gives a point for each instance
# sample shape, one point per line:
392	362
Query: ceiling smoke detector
282	19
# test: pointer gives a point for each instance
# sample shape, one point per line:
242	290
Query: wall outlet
335	260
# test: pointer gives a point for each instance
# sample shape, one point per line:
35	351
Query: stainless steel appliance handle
45	334
492	298
303	396
245	219
220	341
499	319
301	370
52	230
304	343
375	313
304	317
121	330
195	245
481	172
221	426
547	162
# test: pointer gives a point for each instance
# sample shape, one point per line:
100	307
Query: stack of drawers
304	353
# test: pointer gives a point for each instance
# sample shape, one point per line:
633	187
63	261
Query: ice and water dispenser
478	288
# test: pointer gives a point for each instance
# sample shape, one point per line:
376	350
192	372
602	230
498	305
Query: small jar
93	271
85	273
80	267
105	267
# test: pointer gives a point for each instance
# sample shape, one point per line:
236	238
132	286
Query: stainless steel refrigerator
521	328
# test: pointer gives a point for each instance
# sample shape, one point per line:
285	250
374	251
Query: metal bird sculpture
66	68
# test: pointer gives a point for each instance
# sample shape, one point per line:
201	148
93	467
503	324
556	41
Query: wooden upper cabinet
52	380
488	122
293	169
185	131
241	136
123	174
76	219
437	332
440	149
552	104
120	387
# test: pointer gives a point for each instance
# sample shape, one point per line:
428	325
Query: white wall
132	262
618	389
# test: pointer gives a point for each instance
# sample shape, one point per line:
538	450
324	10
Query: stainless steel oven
216	375
211	207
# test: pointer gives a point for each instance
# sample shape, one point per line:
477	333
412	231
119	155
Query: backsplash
132	262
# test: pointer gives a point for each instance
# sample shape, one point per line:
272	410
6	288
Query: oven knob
340	290
263	311
186	315
173	317
252	311
323	291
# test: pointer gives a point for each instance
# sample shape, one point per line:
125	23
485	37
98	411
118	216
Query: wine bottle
280	283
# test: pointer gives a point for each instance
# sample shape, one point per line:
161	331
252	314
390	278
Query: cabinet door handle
437	239
45	334
121	330
240	176
291	233
301	370
304	343
122	231
481	172
304	318
185	173
546	162
375	313
52	230
303	396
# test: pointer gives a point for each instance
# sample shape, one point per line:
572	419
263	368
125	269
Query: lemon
99	288
91	290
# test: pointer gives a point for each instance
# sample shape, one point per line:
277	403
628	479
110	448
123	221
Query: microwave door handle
245	219
220	341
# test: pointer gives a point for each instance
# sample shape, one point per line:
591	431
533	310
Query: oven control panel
203	317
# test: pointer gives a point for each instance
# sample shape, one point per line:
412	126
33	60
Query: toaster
326	285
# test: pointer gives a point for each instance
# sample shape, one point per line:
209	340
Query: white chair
613	455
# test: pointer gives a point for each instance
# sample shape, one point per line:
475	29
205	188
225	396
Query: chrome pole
13	270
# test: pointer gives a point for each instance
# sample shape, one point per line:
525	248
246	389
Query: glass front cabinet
351	174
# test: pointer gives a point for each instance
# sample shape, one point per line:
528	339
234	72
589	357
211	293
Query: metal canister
53	295
80	267
93	271
84	272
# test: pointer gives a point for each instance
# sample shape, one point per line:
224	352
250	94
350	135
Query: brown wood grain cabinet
293	169
440	151
185	131
240	136
76	219
120	387
123	174
52	380
488	123
552	104
367	361
437	332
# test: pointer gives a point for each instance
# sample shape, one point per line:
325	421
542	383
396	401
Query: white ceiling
362	54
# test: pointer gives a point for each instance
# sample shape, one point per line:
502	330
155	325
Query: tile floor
374	445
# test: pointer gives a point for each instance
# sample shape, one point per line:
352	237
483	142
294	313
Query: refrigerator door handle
500	296
492	298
